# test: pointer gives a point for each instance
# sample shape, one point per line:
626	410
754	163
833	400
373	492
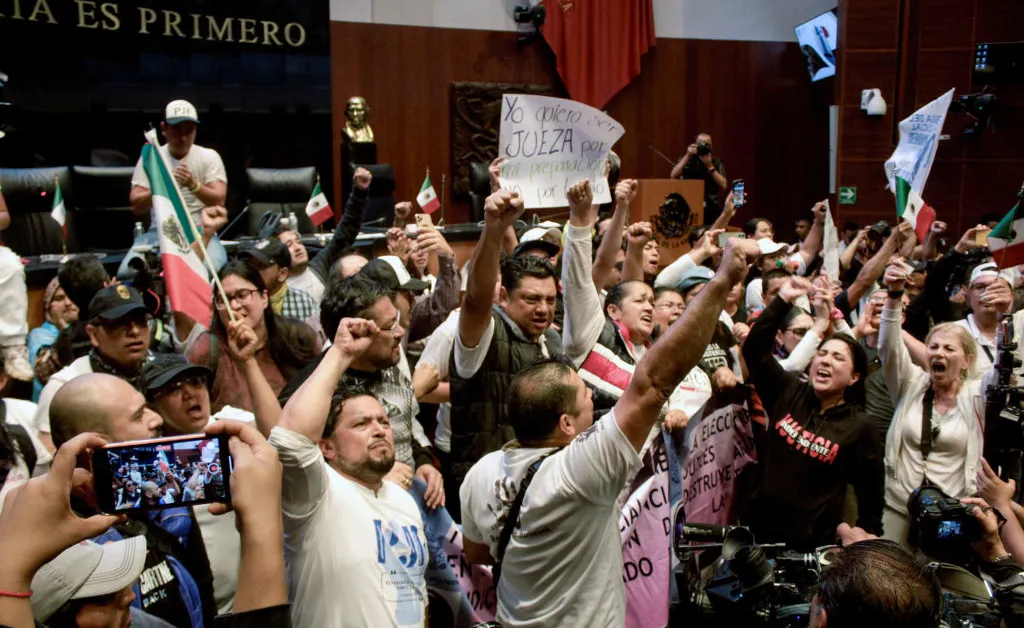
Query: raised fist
361	178
639	233
625	191
503	208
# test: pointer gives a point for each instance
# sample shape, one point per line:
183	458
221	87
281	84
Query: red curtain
598	44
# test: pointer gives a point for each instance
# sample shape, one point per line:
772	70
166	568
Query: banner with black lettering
717	445
645	524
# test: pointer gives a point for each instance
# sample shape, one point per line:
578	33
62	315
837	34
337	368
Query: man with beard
376	370
354	543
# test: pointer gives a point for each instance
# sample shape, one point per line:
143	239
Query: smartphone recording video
162	473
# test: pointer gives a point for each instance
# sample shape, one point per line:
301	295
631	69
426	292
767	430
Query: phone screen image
738	195
162	473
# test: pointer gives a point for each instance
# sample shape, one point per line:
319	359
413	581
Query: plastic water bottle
138	231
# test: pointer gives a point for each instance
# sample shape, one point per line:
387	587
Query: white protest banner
720	443
919	139
551	143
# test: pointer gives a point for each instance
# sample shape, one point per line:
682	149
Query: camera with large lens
703	148
940	526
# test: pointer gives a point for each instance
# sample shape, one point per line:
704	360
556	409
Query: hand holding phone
162	473
424	222
738	193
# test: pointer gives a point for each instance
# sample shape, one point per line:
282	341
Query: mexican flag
1006	241
427	198
188	283
911	207
318	209
58	212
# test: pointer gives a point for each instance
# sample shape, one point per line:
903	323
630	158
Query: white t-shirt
206	167
355	557
81	366
563	566
308	282
438	352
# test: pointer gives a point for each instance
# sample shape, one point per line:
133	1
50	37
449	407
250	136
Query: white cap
86	570
768	246
554	235
989	269
180	111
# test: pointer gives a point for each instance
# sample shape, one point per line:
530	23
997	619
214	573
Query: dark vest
479	421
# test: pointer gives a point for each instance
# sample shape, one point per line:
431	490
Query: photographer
698	163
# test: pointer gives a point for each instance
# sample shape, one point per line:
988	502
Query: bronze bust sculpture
356	127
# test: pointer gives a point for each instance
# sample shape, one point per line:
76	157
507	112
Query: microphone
232	223
707	532
662	155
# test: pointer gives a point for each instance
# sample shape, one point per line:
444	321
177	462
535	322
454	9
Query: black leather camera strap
926	423
513	515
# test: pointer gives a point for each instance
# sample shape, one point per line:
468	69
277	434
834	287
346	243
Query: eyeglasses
392	329
194	381
799	332
670	307
242	295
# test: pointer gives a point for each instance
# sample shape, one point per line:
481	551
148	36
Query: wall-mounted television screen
817	39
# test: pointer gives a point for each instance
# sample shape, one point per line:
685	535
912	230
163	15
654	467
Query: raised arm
583	312
637	236
846	257
307	410
241	348
612	240
430	312
728	211
765	371
671	358
805	350
811	245
896	363
706	247
501	209
875	266
348	227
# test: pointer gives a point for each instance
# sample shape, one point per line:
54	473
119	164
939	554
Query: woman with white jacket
949	454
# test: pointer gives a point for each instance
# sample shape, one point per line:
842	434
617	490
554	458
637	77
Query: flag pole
320	227
155	143
1020	197
443	179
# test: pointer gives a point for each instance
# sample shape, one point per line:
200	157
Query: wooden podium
649	198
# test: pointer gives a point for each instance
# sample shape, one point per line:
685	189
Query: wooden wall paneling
938	70
998	20
945	24
871	25
768	121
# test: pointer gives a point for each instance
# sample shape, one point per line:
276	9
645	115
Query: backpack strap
513	515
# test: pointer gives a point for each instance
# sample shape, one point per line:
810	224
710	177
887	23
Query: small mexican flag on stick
58	212
912	208
427	198
1006	241
318	209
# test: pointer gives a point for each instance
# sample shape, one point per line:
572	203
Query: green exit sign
848	196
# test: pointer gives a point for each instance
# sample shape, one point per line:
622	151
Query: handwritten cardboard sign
551	143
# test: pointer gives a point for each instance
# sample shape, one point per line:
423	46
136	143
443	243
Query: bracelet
18	594
895	294
196	188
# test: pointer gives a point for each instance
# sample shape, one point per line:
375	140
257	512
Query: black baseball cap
390	271
164	368
115	302
268	252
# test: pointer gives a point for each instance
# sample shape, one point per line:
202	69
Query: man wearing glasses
118	328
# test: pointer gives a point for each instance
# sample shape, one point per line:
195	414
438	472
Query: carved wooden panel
475	123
